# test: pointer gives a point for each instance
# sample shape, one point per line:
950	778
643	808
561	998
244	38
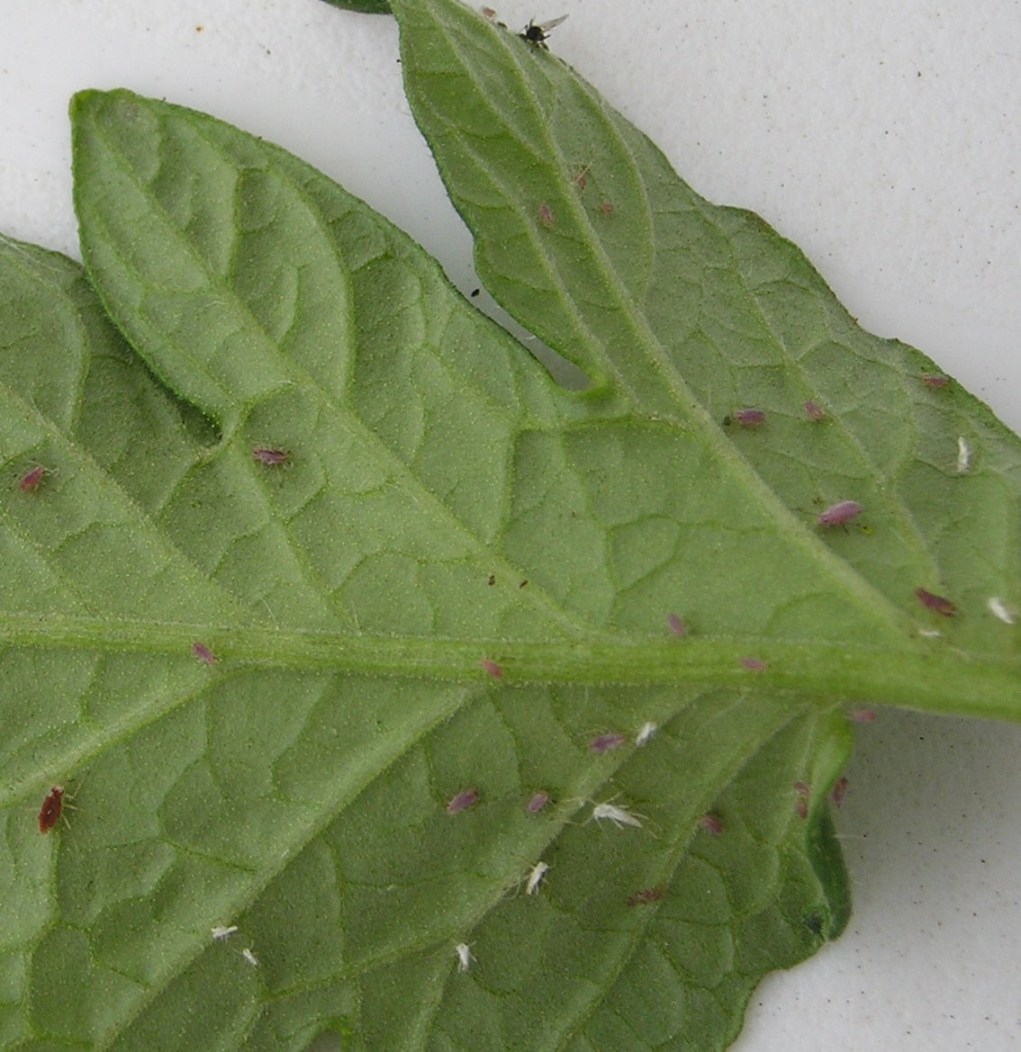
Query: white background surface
884	139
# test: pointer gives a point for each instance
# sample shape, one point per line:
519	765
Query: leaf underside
456	584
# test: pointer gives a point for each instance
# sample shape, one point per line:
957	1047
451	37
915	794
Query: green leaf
368	7
445	513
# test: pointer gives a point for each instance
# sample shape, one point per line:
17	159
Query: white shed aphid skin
250	957
464	956
999	609
222	931
963	455
619	816
645	733
539	870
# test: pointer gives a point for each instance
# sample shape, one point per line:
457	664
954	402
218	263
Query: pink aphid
491	668
838	792
936	603
677	625
32	479
203	653
270	458
646	897
747	418
537	802
603	743
754	664
606	207
711	823
545	214
815	411
839	514
862	715
465	799
935	380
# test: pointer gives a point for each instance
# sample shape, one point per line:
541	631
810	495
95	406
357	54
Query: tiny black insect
538	32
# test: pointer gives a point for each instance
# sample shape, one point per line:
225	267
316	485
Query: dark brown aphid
52	809
465	799
492	579
646	896
271	458
936	603
475	292
32	479
537	33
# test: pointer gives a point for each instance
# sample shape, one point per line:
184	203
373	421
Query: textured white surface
883	139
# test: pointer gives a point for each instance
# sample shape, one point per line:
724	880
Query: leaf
298	787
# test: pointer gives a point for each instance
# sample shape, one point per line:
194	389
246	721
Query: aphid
606	207
488	12
545	214
711	823
963	455
221	932
936	603
464	956
462	801
522	584
839	791
492	579
677	625
603	743
539	870
645	733
203	653
619	816
53	807
839	514
998	608
934	380
754	664
537	802
815	411
801	807
646	896
32	479
746	418
250	957
862	715
492	668
475	292
581	179
538	33
271	458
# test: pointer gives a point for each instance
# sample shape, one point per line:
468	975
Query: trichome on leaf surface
405	694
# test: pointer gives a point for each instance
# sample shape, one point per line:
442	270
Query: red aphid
936	603
815	411
203	653
839	514
271	458
747	417
677	625
646	896
545	214
838	792
50	812
603	743
711	823
32	479
462	801
754	664
935	380
491	668
537	802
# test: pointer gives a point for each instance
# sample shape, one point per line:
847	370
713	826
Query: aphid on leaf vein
464	956
815	411
604	743
491	668
545	214
203	653
537	33
938	604
539	870
52	809
619	816
32	479
465	799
